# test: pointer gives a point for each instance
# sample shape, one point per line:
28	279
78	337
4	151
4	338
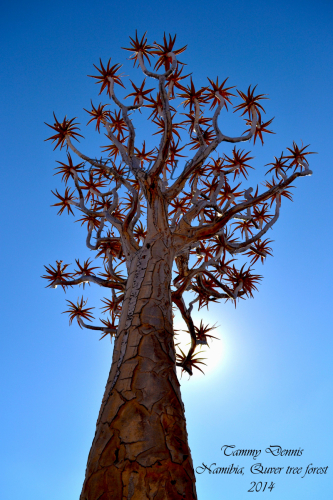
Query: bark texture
140	449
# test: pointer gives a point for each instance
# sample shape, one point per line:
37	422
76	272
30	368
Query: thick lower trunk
140	449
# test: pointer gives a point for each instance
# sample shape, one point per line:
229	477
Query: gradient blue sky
272	377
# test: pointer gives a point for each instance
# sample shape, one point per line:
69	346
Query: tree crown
129	193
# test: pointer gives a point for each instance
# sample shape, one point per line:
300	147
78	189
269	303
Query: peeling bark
140	449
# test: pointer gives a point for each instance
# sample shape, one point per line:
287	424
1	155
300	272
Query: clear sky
270	380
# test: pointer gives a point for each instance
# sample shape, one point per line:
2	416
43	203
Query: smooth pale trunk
140	449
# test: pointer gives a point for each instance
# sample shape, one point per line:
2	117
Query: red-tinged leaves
118	125
245	278
110	247
215	167
237	163
174	79
65	201
250	100
219	280
208	136
91	220
163	50
105	74
144	155
57	274
100	204
261	215
220	89
78	311
85	269
279	167
128	201
210	186
179	204
156	106
204	252
98	114
260	129
174	152
228	193
297	156
68	169
188	364
206	293
139	92
283	192
139	232
111	306
191	120
245	227
202	333
107	274
112	149
259	250
110	325
222	266
139	46
190	95
118	213
175	126
92	186
63	129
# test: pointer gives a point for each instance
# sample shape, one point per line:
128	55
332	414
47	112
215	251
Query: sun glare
214	355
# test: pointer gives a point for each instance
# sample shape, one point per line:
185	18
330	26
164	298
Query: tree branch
208	230
124	110
89	279
98	164
198	160
112	331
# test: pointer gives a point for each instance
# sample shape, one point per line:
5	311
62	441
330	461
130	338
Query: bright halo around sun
212	355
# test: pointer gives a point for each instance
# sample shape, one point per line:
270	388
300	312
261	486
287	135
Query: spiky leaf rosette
68	170
187	364
140	46
78	311
65	201
99	114
63	129
163	50
57	275
250	101
107	73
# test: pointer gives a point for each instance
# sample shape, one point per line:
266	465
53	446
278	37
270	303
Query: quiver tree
165	235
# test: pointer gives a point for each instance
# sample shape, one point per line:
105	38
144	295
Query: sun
213	355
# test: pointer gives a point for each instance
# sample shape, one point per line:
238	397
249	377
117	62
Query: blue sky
272	377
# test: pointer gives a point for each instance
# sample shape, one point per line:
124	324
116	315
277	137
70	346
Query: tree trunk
140	449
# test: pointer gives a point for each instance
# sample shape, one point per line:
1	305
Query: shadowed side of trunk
140	449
